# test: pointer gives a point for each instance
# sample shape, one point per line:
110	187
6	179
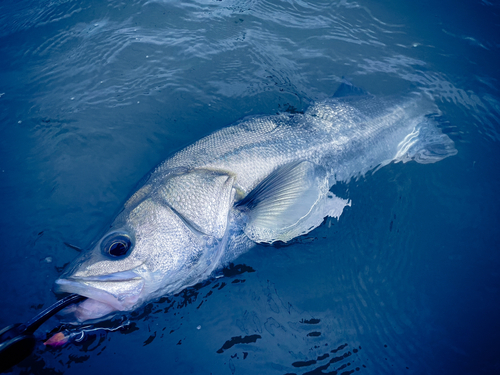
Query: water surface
95	94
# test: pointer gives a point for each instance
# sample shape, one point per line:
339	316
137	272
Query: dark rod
17	341
34	323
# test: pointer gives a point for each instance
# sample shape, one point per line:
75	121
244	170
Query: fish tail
425	144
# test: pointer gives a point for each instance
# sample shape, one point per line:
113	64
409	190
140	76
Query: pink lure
57	340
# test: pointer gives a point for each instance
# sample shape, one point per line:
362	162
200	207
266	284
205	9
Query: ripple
114	62
23	15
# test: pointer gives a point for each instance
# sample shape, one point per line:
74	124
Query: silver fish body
264	179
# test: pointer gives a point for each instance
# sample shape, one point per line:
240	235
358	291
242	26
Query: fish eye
116	245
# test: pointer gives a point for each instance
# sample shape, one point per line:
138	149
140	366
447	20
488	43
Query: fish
262	180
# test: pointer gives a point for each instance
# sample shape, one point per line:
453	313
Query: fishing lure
68	336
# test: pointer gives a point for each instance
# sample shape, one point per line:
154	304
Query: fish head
149	251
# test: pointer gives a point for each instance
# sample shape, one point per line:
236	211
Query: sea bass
262	180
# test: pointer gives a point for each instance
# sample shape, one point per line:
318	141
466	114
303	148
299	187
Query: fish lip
79	286
117	276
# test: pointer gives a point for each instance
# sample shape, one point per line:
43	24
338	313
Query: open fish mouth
105	294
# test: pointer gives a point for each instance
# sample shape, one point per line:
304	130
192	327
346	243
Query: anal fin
291	201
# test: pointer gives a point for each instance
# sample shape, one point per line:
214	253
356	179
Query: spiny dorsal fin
347	89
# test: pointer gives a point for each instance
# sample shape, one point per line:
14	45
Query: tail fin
425	144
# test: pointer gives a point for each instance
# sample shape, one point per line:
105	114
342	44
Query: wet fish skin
264	179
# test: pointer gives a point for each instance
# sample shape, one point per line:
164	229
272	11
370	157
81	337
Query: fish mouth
105	294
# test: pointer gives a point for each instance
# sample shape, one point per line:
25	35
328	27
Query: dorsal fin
347	89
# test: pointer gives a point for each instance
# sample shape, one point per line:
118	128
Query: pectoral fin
290	202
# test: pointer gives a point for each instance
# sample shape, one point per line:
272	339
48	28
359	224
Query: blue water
93	94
